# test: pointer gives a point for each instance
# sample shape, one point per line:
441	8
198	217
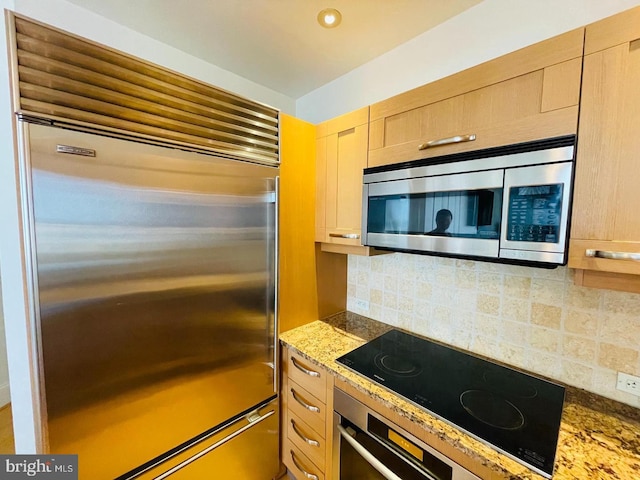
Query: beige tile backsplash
531	318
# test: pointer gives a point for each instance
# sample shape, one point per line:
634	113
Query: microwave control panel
535	212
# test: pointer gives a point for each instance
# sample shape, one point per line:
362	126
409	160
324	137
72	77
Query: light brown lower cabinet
307	400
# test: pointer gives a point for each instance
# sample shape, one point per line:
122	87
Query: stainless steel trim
67	76
612	255
551	155
311	373
31	279
311	408
532	256
308	475
276	288
537	175
365	214
12	43
447	141
216	445
444	183
345	235
364	453
310	441
456	246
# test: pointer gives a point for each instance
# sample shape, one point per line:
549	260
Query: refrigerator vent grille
61	76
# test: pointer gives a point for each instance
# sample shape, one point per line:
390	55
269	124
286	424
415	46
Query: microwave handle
447	141
612	255
364	453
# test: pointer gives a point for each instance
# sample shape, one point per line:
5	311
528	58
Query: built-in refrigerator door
154	278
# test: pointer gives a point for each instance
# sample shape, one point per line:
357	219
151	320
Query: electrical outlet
362	305
629	383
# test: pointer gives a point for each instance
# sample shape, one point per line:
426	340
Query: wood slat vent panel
61	76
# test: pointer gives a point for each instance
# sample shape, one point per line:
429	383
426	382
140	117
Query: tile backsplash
531	318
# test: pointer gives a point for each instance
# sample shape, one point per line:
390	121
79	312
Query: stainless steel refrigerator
154	290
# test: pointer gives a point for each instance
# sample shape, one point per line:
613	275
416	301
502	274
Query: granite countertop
599	438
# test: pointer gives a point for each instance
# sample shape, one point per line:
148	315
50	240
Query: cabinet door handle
447	141
345	235
311	373
612	255
311	408
310	441
308	475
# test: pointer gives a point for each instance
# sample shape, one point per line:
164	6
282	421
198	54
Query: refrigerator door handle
252	420
276	354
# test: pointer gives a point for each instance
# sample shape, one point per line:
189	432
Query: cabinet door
526	95
605	208
346	160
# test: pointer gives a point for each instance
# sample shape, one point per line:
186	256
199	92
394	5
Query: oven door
367	446
458	214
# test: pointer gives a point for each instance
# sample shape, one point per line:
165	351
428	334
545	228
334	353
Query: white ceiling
278	43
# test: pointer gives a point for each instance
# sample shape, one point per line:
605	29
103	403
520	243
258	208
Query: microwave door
535	213
451	214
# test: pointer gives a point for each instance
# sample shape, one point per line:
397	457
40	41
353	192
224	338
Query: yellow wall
303	267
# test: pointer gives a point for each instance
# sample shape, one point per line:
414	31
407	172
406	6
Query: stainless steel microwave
509	204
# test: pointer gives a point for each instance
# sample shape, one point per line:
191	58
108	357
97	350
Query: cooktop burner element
515	413
492	410
396	365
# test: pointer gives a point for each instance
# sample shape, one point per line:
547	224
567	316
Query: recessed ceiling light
329	18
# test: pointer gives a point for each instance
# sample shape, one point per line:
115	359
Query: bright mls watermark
44	467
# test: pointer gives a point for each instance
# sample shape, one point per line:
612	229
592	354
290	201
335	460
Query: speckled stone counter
599	438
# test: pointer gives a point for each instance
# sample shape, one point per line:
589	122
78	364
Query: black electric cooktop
513	412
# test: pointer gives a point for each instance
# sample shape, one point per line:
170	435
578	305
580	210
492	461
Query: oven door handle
364	453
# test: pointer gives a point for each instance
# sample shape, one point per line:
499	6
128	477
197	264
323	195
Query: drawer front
299	464
307	407
307	375
306	440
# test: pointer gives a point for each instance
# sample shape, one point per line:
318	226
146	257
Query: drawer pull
310	441
311	408
311	373
447	141
613	255
308	475
345	235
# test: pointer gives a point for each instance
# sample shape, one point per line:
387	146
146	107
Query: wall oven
367	446
508	204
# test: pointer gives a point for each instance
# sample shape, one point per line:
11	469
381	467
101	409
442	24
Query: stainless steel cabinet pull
311	408
344	235
308	475
364	453
311	373
310	441
447	141
613	255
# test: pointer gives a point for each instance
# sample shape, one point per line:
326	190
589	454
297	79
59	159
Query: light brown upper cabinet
341	156
529	94
605	228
